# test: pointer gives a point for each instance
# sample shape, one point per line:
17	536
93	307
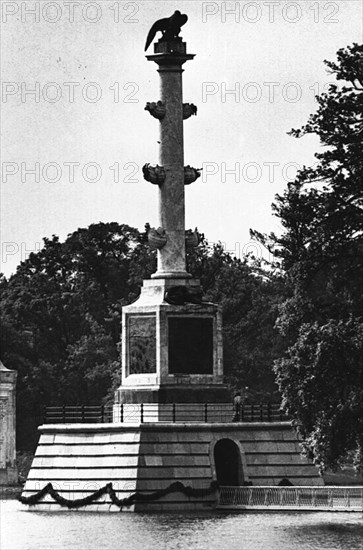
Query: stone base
173	275
79	459
169	349
176	45
153	290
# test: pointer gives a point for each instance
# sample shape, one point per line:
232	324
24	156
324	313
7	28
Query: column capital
169	61
170	54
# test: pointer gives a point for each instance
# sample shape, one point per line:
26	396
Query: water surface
21	530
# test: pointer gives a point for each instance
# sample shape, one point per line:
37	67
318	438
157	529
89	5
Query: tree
321	253
320	377
92	366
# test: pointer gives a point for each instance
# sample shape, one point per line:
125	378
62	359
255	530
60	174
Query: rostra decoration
154	174
156	109
191	238
191	174
189	109
157	238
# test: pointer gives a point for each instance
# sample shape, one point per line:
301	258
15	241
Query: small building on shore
8	468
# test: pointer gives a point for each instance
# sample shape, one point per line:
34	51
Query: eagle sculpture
169	27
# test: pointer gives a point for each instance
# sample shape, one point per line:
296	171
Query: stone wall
8	469
79	459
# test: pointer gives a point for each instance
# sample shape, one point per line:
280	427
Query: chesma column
170	57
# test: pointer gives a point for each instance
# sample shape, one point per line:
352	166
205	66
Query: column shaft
171	258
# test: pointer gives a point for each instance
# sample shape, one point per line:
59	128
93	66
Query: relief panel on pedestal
3	430
141	344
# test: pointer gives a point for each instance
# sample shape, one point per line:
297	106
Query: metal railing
72	414
294	498
165	412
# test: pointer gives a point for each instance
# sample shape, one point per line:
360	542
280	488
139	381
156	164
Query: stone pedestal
171	353
8	469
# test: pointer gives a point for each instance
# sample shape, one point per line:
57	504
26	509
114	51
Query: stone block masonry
144	458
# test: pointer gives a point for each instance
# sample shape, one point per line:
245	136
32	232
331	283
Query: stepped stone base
79	459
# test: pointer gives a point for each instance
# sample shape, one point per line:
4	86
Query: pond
22	530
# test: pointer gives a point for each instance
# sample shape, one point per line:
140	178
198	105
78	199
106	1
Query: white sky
262	43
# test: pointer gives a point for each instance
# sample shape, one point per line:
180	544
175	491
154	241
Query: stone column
8	469
159	359
170	56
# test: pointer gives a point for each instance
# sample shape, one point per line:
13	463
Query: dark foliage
321	253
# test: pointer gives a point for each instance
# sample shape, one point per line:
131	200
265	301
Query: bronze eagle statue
169	27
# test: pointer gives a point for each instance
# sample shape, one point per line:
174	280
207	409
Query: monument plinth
171	339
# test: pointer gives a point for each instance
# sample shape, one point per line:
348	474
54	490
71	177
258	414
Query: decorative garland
108	489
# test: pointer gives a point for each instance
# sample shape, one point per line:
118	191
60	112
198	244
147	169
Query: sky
75	135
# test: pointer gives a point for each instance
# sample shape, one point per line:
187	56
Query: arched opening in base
227	459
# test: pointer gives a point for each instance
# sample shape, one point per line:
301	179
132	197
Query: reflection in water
22	530
334	534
